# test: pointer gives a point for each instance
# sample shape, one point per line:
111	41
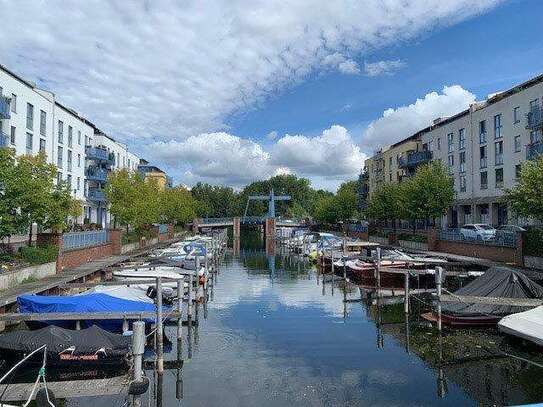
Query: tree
122	192
386	203
177	206
429	193
341	207
526	198
10	220
216	201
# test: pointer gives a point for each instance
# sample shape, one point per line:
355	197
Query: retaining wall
15	277
533	262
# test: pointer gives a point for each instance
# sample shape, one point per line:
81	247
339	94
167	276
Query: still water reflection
276	333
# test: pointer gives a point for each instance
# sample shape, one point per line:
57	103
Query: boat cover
96	302
86	341
500	282
133	293
527	325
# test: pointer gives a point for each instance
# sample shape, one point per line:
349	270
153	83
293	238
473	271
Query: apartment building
151	172
32	120
483	147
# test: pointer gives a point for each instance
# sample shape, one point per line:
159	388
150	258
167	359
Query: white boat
526	325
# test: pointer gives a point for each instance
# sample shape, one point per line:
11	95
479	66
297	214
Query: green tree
10	220
177	206
386	203
429	193
526	197
121	192
216	201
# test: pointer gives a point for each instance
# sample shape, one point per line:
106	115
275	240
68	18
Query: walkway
9	296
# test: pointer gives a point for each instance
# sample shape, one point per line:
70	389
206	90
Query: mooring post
138	348
180	284
189	307
439	271
378	272
406	289
125	325
159	332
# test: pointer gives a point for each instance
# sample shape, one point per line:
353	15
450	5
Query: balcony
535	118
96	174
4	139
414	159
5	104
99	154
96	195
534	150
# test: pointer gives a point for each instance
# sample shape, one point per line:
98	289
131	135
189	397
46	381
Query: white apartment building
32	120
483	147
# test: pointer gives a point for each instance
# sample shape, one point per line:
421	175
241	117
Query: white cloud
168	69
402	122
383	67
224	158
349	67
341	63
332	154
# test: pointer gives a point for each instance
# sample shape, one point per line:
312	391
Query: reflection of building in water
470	360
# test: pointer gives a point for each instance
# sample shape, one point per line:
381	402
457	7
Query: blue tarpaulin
97	302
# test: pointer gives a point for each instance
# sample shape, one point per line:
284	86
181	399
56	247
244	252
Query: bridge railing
209	221
253	219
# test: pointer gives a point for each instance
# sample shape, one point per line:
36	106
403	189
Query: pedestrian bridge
244	220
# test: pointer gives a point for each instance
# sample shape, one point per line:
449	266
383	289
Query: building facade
151	172
33	121
483	147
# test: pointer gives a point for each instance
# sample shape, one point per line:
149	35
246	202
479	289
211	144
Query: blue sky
227	94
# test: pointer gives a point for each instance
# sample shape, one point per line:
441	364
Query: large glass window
462	183
42	145
516	115
29	116
69	160
516	144
499	177
482	131
70	136
482	155
484	180
461	139
462	158
60	153
13	135
43	122
450	142
29	143
60	132
13	104
498	153
498	126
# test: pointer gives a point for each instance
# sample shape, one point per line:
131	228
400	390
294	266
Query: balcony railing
96	195
415	158
5	104
534	150
99	154
96	174
535	118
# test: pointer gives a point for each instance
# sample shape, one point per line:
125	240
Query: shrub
533	242
38	255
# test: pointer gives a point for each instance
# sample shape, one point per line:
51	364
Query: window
498	153
29	116
450	142
59	177
482	131
517	171
29	143
484	180
534	104
78	185
59	157
462	183
517	144
462	161
499	177
69	181
516	115
498	126
70	136
86	141
13	104
79	137
451	161
389	162
79	160
482	154
439	143
43	122
60	132
42	145
69	160
461	139
12	135
431	145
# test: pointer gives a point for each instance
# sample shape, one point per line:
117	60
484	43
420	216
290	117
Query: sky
231	91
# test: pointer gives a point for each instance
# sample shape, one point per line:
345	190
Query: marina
269	326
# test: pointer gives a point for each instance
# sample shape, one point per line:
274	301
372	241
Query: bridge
269	223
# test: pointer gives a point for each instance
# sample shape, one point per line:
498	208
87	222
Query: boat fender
137	388
41	398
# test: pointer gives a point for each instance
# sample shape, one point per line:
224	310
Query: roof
149	168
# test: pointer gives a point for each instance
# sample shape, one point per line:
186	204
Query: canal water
274	335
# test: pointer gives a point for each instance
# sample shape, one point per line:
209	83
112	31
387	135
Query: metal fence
79	240
162	228
207	221
501	238
356	227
